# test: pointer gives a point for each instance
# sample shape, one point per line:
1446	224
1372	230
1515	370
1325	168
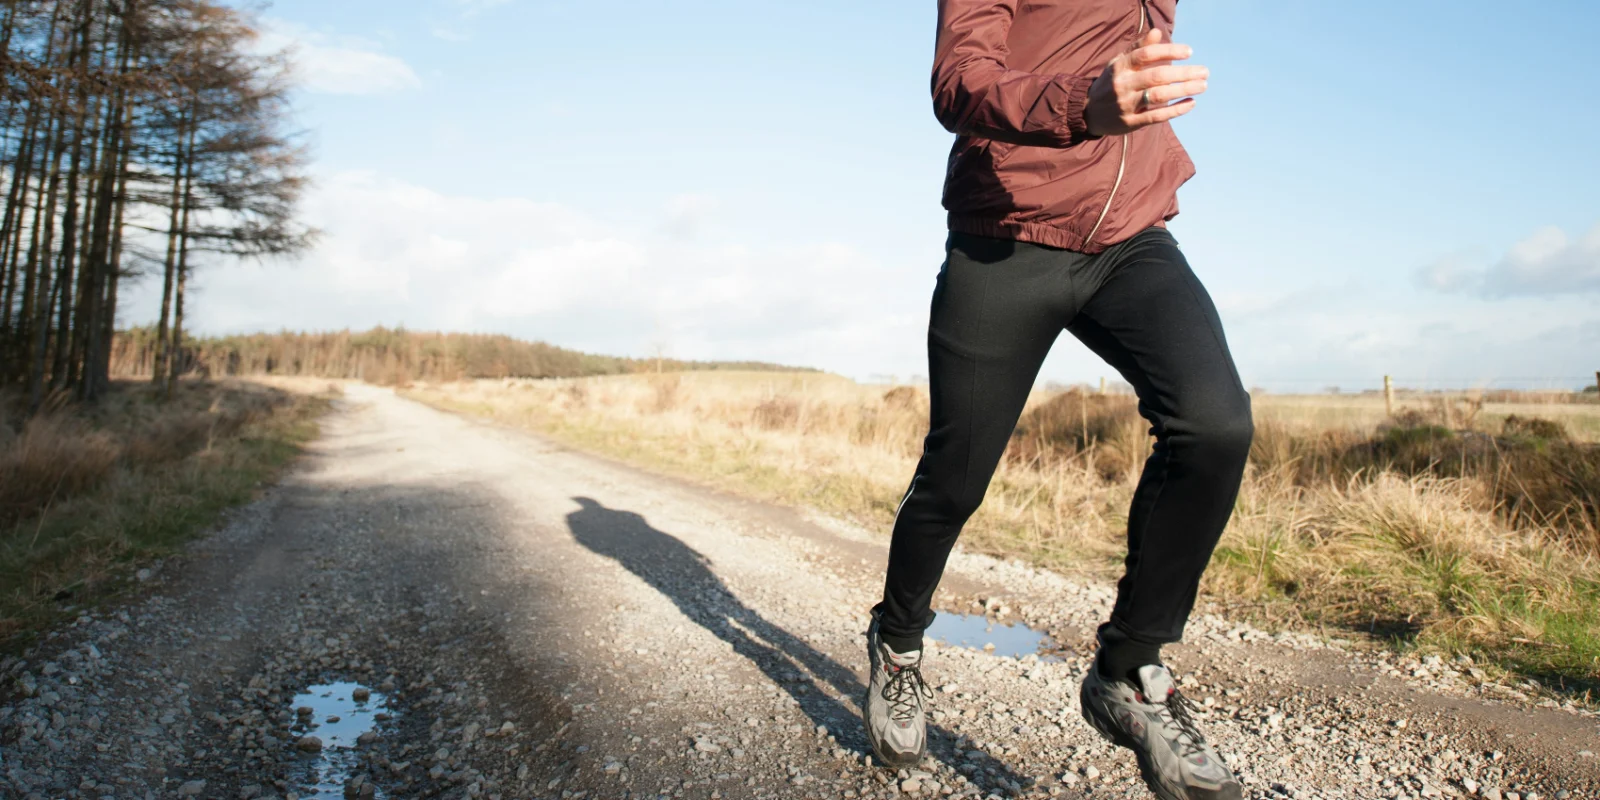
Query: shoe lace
906	690
1180	709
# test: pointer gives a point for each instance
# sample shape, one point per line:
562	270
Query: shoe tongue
906	659
1156	681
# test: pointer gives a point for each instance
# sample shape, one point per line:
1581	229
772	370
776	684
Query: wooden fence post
1103	382
1388	395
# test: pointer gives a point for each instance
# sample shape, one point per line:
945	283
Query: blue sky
1401	188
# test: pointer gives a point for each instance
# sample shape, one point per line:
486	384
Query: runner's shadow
685	577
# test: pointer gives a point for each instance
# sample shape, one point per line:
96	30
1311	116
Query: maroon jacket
1011	77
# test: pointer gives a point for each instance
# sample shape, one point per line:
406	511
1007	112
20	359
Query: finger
1162	95
1154	53
1161	76
1160	114
1154	37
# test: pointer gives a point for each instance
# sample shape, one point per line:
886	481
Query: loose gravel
509	619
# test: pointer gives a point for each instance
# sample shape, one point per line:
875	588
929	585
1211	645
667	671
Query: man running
1062	177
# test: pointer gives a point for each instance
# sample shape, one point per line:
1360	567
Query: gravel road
431	606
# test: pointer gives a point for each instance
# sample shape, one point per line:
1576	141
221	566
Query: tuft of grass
55	457
1421	531
102	490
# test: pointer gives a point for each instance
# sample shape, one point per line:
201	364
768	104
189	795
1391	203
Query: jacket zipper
1122	165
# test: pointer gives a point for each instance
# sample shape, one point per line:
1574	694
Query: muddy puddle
982	633
339	713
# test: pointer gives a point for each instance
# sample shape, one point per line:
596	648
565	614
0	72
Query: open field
1459	542
90	494
1367	410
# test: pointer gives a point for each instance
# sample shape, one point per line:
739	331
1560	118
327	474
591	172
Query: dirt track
540	623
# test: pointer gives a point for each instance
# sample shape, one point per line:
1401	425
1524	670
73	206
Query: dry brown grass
1465	541
54	457
88	493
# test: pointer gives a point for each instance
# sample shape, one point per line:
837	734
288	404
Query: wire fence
1405	383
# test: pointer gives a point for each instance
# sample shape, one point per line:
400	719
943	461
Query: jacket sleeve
975	94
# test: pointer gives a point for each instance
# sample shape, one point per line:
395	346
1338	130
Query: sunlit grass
1330	528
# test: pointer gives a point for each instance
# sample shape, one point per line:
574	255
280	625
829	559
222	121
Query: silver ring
1144	100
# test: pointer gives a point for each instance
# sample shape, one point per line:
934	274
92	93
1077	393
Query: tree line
137	137
387	355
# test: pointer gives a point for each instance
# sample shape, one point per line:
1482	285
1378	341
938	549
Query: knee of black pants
944	505
1224	432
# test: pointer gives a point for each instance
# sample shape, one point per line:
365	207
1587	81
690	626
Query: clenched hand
1139	87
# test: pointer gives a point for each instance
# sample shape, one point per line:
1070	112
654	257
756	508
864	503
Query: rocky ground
485	614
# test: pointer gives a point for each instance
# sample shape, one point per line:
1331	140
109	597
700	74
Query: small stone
1470	785
1491	793
361	694
367	738
1091	772
911	786
305	711
192	788
143	575
309	744
707	746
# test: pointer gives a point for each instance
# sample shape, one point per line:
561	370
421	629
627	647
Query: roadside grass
1421	534
88	495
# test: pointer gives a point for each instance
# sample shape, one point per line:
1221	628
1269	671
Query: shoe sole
1147	769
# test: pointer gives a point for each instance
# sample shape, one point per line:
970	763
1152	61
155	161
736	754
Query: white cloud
1450	275
1545	264
1548	263
396	253
1353	338
338	64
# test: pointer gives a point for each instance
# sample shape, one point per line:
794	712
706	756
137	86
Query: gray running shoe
897	726
1155	723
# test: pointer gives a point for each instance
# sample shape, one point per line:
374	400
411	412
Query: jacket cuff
1077	88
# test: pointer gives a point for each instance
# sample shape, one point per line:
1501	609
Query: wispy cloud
463	13
1548	263
475	7
332	64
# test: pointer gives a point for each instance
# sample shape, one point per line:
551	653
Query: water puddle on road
978	631
339	714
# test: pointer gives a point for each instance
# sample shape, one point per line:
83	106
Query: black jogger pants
998	306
